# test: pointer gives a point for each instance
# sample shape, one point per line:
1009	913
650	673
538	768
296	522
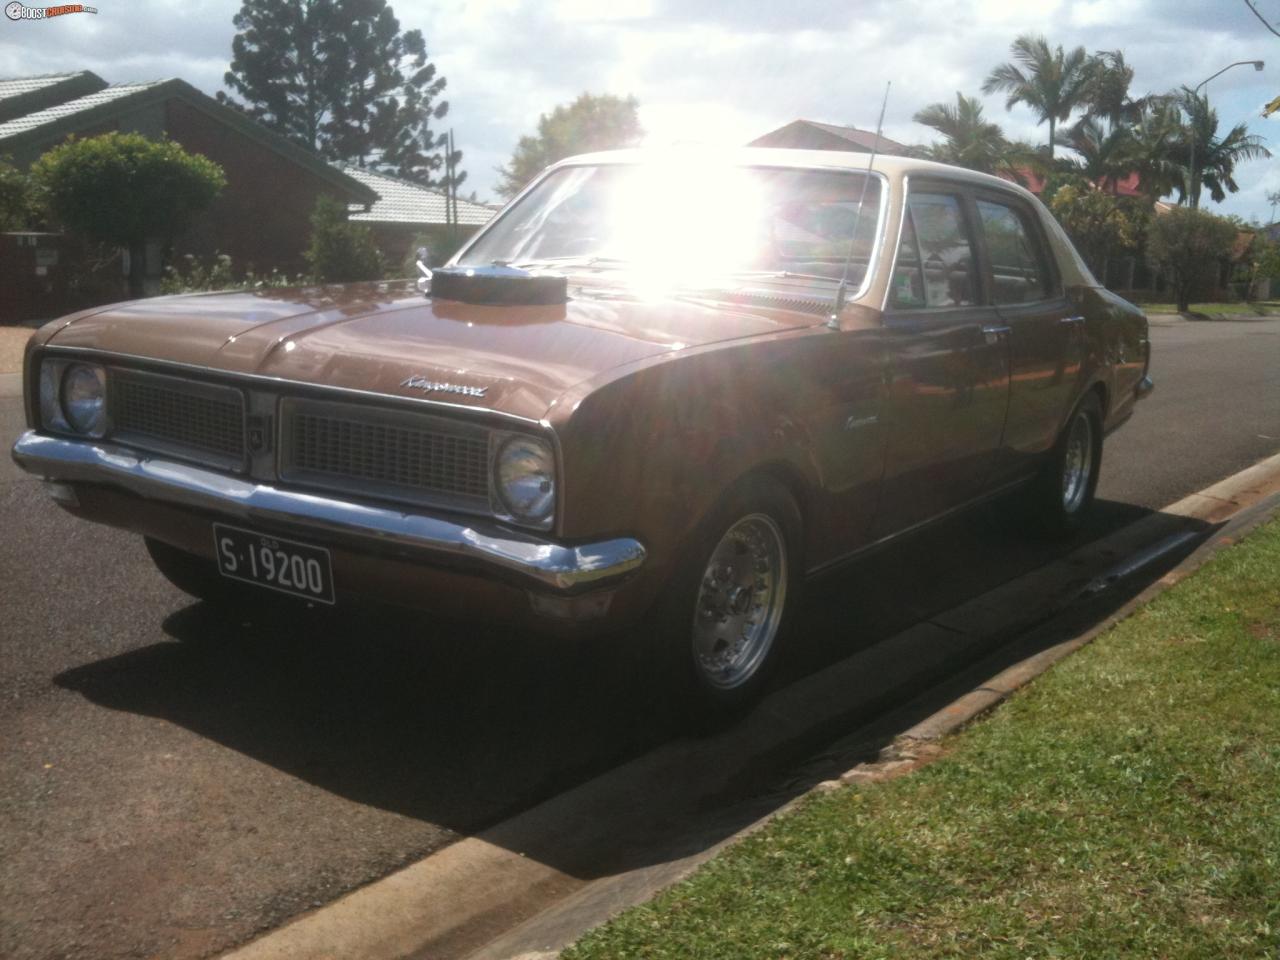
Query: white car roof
895	168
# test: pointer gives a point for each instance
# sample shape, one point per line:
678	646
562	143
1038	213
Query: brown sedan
675	384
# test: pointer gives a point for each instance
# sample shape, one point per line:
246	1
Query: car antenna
842	291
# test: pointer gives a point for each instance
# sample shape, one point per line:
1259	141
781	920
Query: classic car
669	386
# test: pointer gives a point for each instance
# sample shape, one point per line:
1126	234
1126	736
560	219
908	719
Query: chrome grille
199	421
396	454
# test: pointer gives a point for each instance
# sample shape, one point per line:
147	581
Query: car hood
389	339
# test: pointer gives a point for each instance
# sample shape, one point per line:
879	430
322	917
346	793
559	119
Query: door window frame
922	315
1041	249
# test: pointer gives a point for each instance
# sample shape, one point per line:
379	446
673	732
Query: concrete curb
1168	319
915	747
532	885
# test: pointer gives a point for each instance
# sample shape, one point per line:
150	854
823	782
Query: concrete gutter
530	886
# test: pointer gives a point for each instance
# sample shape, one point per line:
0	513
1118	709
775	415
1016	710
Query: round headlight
526	478
84	399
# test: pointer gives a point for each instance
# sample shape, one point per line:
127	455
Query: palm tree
1106	153
969	139
1051	82
1156	147
1108	92
1215	157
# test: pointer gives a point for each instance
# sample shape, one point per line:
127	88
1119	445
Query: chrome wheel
740	601
1077	465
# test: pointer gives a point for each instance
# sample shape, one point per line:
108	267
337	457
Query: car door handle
1077	319
992	332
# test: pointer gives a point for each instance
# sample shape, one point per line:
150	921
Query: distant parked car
674	384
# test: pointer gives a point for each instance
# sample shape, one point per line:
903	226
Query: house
261	219
407	215
812	135
1129	185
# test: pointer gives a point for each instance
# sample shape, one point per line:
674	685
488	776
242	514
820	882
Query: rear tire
1059	499
730	604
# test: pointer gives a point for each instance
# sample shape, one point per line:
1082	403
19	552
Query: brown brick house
260	219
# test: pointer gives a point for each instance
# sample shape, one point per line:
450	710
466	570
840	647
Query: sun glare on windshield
674	224
678	223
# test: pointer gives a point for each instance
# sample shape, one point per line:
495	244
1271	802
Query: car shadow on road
463	726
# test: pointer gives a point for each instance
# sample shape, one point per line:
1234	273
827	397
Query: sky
718	71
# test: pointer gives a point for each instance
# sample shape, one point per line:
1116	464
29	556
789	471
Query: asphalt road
173	780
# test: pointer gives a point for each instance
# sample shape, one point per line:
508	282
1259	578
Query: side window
1018	265
908	280
935	265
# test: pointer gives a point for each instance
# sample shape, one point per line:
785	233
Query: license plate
298	569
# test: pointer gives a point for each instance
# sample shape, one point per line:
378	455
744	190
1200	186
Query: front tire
1060	498
731	603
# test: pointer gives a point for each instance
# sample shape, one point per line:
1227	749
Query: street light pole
1195	94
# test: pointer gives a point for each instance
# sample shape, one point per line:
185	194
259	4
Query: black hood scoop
498	286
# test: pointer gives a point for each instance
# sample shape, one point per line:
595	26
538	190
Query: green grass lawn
1125	805
1268	309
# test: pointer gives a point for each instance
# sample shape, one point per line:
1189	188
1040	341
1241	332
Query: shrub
190	274
123	189
20	206
1099	224
1190	246
340	251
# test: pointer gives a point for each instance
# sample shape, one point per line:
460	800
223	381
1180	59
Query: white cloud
718	71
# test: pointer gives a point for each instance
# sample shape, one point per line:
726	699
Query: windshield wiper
580	260
782	275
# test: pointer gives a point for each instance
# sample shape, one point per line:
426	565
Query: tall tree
1107	95
1155	150
1215	158
1051	81
340	77
592	122
972	141
1105	152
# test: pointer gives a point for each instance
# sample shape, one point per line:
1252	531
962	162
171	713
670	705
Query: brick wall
262	217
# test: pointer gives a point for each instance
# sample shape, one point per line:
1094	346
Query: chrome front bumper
542	563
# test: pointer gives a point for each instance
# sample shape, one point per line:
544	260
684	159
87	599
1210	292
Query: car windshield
688	223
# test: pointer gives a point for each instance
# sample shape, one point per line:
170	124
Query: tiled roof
798	133
57	112
1130	185
103	107
400	201
17	86
863	138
